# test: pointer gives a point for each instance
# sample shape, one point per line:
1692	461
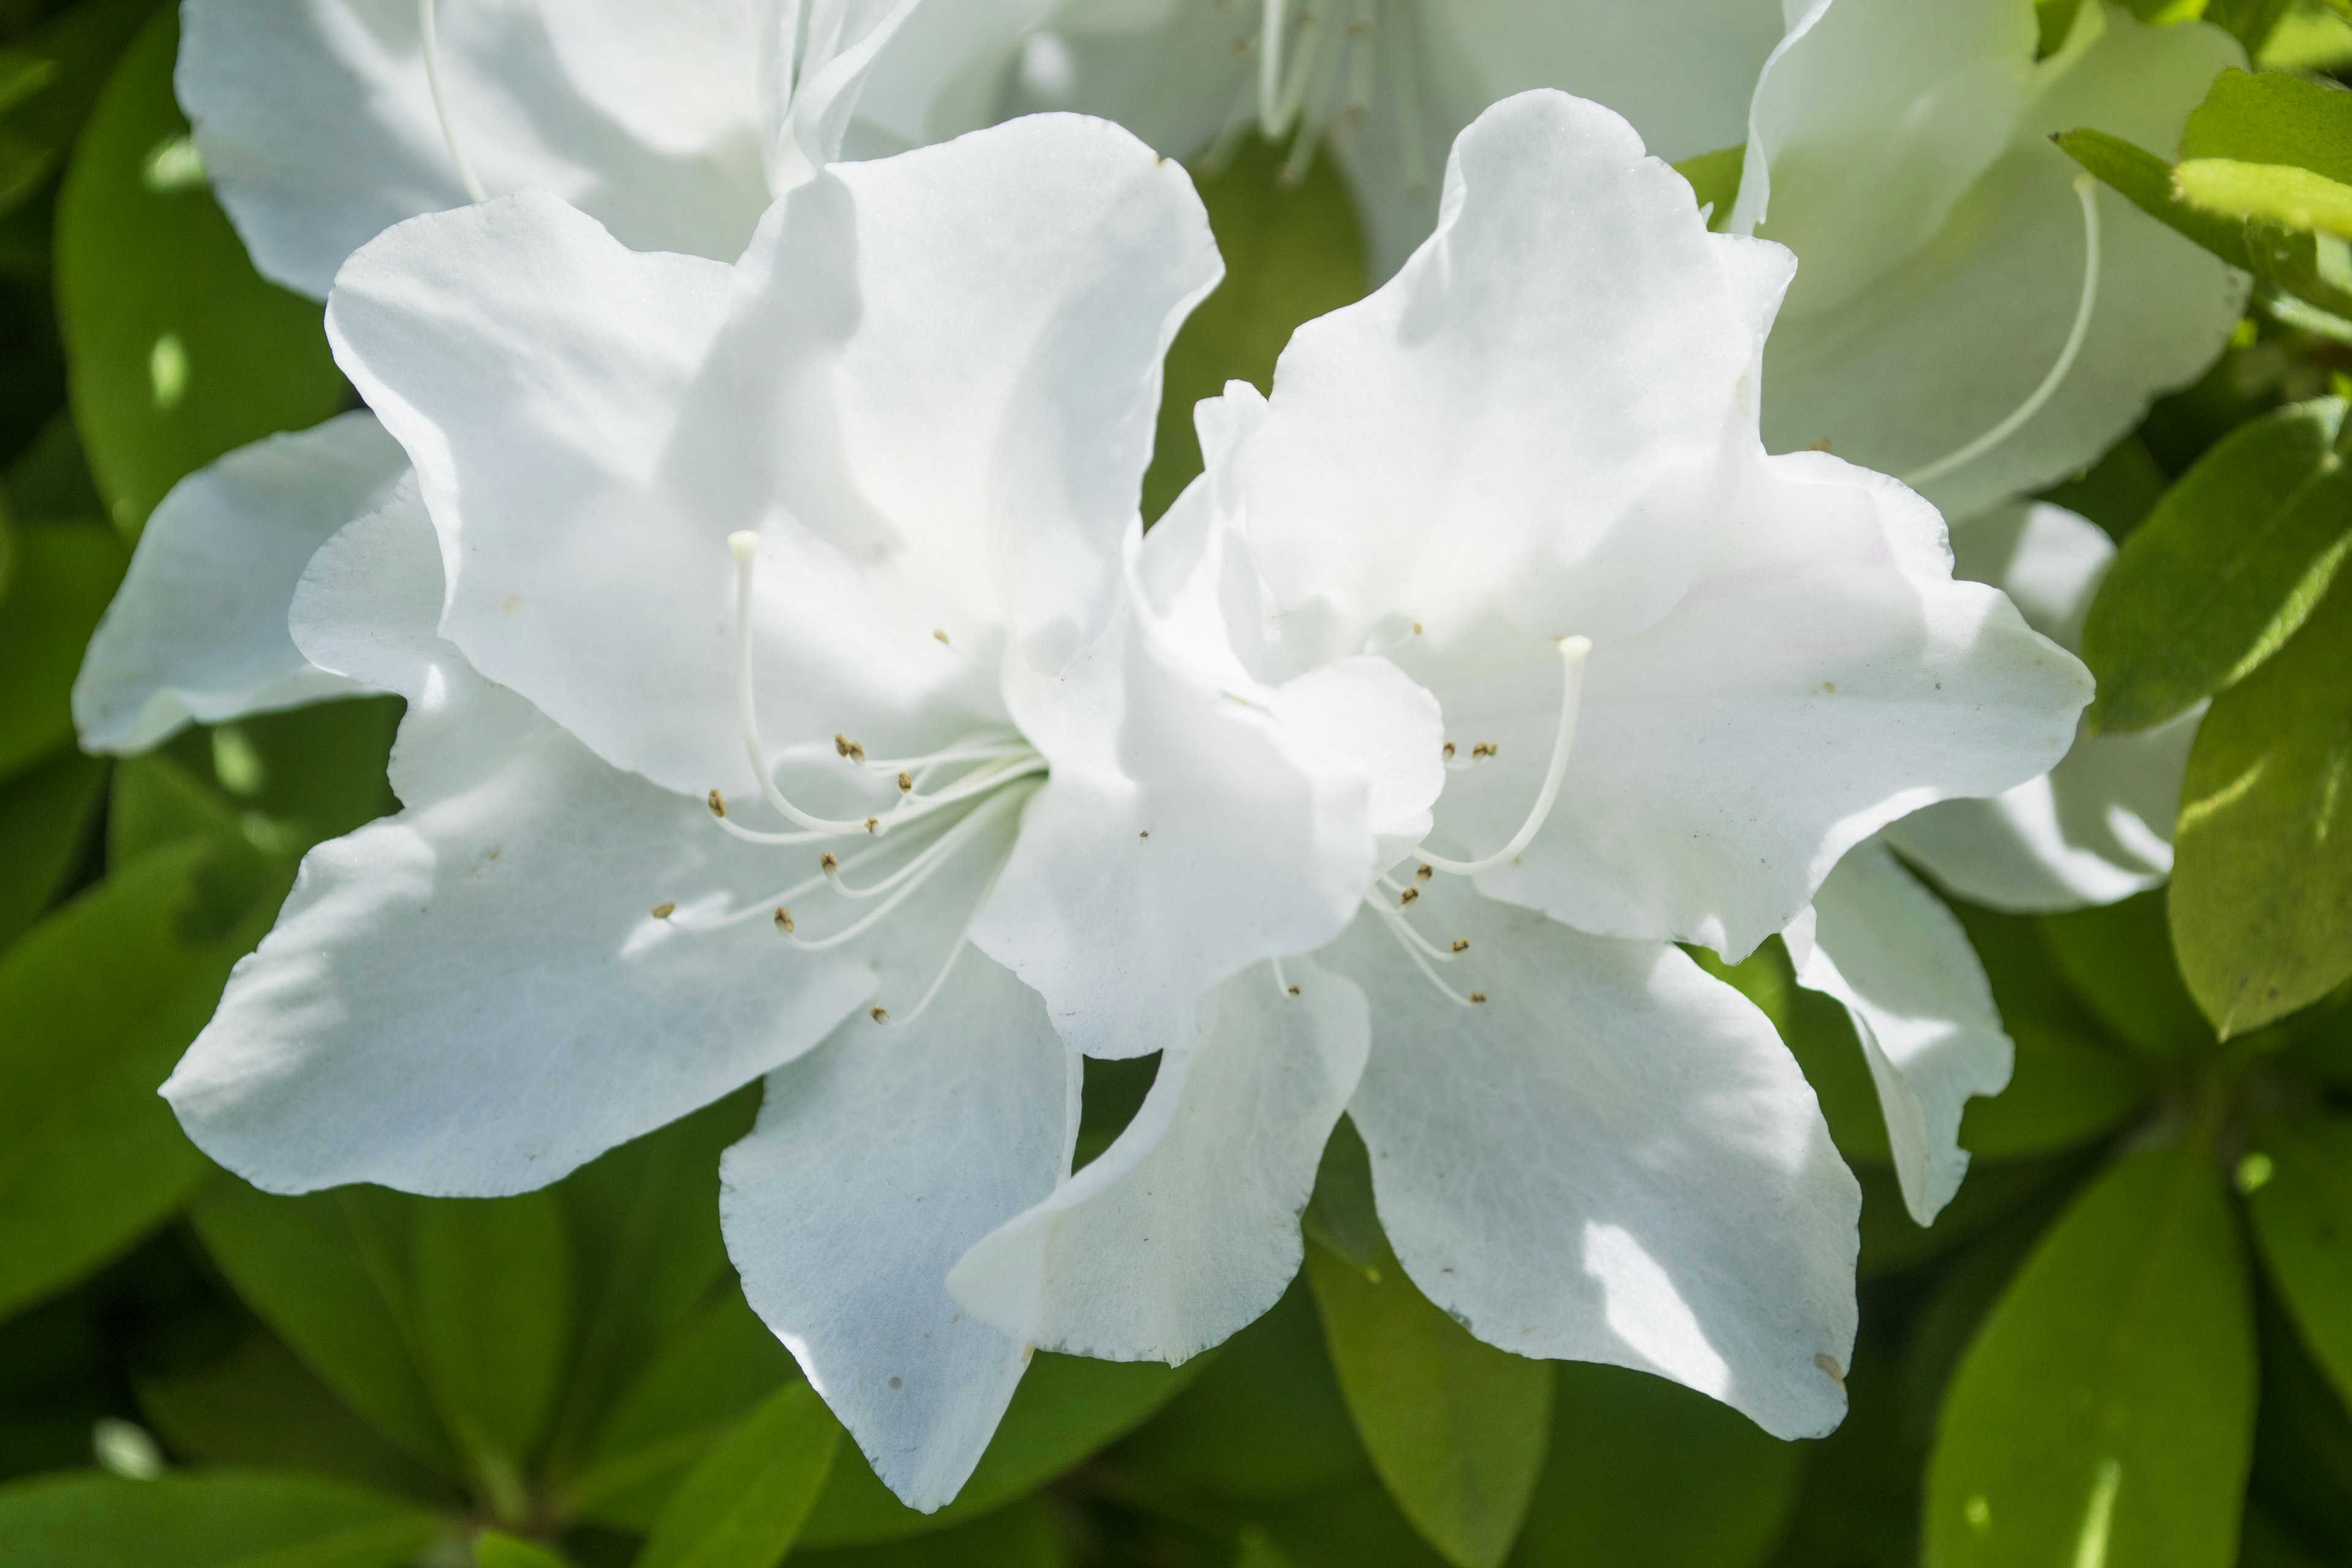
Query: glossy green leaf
1820	1034
96	1003
1455	1428
2145	180
2273	116
744	1504
1293	252
45	814
63	575
2103	1417
1067	1407
2231	564
225	1521
1859	1507
298	777
491	1282
1355	1526
1892	1241
178	349
2262	880
2117	492
1643	1473
258	1408
2298	1181
496	1549
2118	958
713	1368
1021	1536
328	1271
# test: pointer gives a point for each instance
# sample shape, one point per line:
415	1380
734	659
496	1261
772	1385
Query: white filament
2086	192
1399	928
1404	929
860	928
1572	652
1269	69
947	844
429	38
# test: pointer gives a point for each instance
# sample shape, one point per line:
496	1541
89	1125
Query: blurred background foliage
2128	1342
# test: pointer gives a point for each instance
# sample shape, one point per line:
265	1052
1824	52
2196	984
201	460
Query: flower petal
199	629
1186	1228
2098	827
879	1159
1613	1159
316	121
1895	956
472	997
1924	355
1424	460
1822	677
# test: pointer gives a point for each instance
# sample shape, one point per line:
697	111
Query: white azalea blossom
1676	679
322	123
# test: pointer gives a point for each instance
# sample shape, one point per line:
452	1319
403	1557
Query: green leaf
744	1504
1643	1473
64	574
1355	1526
328	1271
2274	117
1860	1504
1266	1421
2145	180
2118	958
644	1223
1820	1034
1066	1409
2117	492
491	1288
211	1522
96	1003
496	1549
2229	566
2069	1085
1292	251
296	778
1455	1428
176	350
2262	880
2265	193
2105	1415
44	815
1021	1536
2298	1182
258	1408
715	1366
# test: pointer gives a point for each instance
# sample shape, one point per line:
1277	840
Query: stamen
429	38
1403	931
1449	751
783	919
1281	980
2086	191
945	843
906	781
662	912
953	953
1572	652
882	1014
718	803
1269	69
1408	896
1424	873
858	928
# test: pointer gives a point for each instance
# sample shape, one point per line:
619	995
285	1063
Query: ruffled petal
198	628
1882	945
1186	1228
1823	676
2098	827
1612	1159
316	121
879	1159
1424	462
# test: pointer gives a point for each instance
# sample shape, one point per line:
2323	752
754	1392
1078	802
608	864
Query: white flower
1676	678
322	123
862	507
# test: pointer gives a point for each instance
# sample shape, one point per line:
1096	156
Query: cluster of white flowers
746	506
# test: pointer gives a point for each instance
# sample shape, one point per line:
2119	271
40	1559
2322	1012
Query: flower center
948	799
1325	66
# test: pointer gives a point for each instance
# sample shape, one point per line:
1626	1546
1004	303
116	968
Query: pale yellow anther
1478	999
881	1015
1461	944
1409	895
905	783
783	919
827	863
1423	874
718	803
663	911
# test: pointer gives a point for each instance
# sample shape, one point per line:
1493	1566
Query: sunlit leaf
178	349
44	814
2297	1178
2262	881
2105	1415
491	1282
2118	958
